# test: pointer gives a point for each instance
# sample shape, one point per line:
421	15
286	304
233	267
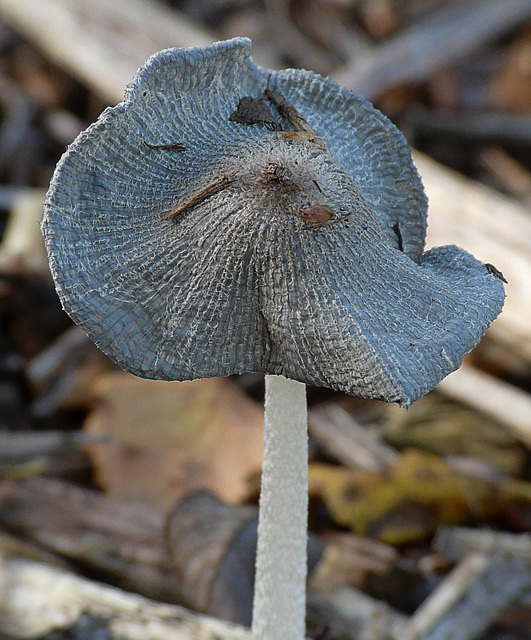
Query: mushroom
225	219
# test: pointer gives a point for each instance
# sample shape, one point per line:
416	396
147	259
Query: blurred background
152	487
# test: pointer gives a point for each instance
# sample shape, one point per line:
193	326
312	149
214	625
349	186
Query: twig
348	559
470	598
218	184
456	30
351	614
22	247
71	344
292	42
289	112
349	442
301	128
508	172
102	42
124	540
455	543
19	448
478	126
505	403
54	372
10	193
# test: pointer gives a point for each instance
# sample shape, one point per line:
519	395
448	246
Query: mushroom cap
241	281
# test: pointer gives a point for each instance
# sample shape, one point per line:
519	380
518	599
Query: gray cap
302	257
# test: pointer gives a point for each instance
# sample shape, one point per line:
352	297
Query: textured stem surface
280	585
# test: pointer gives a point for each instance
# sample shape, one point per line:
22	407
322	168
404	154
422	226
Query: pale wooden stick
455	543
505	403
339	433
37	598
470	599
509	172
22	247
454	31
349	613
102	43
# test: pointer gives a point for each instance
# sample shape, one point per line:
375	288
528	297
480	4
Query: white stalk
279	607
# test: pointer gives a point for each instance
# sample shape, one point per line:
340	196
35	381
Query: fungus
225	219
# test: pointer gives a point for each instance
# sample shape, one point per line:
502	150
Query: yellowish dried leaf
421	493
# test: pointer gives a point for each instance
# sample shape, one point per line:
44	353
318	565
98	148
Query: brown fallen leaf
168	439
420	493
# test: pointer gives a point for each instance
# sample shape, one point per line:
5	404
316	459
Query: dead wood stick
301	128
101	42
349	613
481	126
12	546
123	541
70	345
54	372
470	599
508	172
452	32
349	442
10	193
20	447
292	42
22	244
37	598
455	543
345	610
288	111
505	403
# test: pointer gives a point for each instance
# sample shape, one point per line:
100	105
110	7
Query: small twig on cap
177	146
290	113
198	196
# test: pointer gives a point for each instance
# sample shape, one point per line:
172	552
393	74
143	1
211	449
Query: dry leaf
421	493
168	439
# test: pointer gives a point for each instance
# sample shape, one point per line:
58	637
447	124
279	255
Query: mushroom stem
279	606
